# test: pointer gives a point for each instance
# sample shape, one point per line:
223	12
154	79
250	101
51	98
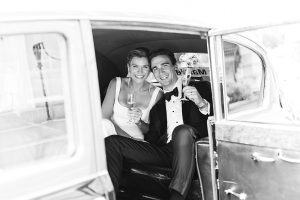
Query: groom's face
164	71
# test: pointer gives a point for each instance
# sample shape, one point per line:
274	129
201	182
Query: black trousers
179	155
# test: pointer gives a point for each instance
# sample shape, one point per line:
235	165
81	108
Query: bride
128	101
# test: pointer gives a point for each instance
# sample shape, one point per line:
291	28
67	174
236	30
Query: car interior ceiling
112	46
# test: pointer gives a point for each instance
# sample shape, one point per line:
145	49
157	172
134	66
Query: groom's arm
204	89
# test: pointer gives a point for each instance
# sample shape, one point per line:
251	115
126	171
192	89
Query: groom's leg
183	166
120	148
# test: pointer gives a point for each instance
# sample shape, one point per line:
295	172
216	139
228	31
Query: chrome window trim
224	31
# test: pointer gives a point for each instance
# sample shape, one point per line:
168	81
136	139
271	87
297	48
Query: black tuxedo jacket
157	133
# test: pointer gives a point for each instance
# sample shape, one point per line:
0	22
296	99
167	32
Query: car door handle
241	196
257	157
291	160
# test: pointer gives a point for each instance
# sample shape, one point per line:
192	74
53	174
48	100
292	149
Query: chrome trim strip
214	77
225	31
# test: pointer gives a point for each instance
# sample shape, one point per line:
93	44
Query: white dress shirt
174	110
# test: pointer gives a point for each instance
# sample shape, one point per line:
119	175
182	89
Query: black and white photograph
150	100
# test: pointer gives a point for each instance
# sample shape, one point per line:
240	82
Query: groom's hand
193	94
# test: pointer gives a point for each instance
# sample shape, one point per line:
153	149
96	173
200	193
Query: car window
244	78
197	61
282	44
32	100
271	88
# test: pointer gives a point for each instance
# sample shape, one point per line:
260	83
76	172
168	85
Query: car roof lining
115	43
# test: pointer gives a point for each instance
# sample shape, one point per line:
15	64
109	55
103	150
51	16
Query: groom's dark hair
163	52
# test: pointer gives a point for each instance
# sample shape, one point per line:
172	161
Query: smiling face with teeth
164	71
138	69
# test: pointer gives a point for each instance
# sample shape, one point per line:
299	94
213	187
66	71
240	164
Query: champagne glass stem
131	102
186	79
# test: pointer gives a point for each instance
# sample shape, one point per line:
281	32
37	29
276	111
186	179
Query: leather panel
263	180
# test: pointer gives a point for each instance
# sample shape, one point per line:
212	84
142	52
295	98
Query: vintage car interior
255	126
49	142
111	46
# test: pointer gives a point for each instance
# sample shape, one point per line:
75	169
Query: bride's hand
135	114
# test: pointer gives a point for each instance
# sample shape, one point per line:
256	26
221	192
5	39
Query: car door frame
220	119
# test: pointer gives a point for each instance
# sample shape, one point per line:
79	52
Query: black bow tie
168	95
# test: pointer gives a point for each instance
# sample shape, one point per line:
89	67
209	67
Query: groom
174	127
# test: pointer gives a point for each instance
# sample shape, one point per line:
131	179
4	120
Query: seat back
149	182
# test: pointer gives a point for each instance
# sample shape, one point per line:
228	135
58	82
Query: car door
50	137
256	125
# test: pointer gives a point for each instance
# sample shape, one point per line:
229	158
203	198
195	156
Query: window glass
32	101
244	73
282	44
197	61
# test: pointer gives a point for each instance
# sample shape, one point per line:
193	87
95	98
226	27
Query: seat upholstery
150	182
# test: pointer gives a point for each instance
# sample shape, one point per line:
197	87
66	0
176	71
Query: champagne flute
186	80
131	102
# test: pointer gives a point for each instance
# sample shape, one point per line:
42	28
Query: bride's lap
109	128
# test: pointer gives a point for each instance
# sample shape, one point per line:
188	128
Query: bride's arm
143	125
108	104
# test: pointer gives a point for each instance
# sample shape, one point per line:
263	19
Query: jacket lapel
163	112
162	124
185	108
